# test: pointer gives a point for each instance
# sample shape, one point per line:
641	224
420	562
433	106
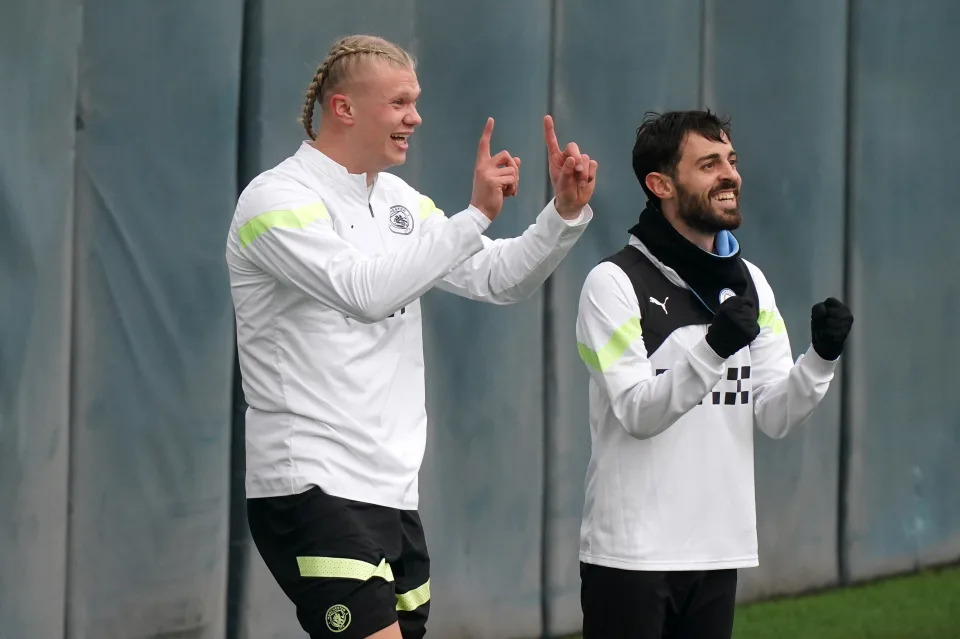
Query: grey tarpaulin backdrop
36	215
126	132
482	487
156	179
903	506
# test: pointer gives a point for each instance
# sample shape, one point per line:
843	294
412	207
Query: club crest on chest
401	220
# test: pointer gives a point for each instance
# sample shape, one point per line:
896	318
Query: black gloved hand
734	326
830	323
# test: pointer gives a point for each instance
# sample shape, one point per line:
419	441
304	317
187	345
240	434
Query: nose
729	172
413	117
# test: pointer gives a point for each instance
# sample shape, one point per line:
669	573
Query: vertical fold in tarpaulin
481	488
904	408
784	87
611	67
36	215
156	184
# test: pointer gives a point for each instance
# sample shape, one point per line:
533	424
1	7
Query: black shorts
635	604
350	568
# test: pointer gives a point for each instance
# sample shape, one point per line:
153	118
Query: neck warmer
708	275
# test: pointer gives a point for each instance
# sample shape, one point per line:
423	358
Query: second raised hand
572	173
494	177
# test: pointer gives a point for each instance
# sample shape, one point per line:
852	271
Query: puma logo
662	304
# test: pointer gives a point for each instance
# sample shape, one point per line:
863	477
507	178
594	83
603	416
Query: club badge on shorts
726	294
338	618
401	221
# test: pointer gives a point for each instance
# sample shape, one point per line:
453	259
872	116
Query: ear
660	184
342	109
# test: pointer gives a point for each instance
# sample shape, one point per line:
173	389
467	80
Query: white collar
332	169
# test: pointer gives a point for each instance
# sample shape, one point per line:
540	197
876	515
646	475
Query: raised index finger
550	135
483	150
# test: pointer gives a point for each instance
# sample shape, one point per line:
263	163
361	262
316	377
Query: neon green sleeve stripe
773	320
415	598
613	349
292	218
427	207
338	568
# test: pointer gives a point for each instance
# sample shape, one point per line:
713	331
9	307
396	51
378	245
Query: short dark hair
660	140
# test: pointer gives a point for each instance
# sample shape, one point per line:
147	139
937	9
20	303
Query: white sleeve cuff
481	221
586	214
704	353
819	367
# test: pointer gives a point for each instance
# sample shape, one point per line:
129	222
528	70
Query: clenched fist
830	323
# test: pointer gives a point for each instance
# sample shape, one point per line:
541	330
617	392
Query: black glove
734	326
830	322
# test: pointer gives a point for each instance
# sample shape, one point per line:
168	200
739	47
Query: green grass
925	605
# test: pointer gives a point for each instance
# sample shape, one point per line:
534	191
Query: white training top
326	277
670	481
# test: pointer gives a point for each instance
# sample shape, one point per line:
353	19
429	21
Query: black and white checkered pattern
735	376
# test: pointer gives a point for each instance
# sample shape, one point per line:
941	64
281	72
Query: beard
697	209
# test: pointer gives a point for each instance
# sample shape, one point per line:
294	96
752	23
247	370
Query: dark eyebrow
715	156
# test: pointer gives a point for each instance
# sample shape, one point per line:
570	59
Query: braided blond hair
342	61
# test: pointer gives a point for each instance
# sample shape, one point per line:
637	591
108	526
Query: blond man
328	256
